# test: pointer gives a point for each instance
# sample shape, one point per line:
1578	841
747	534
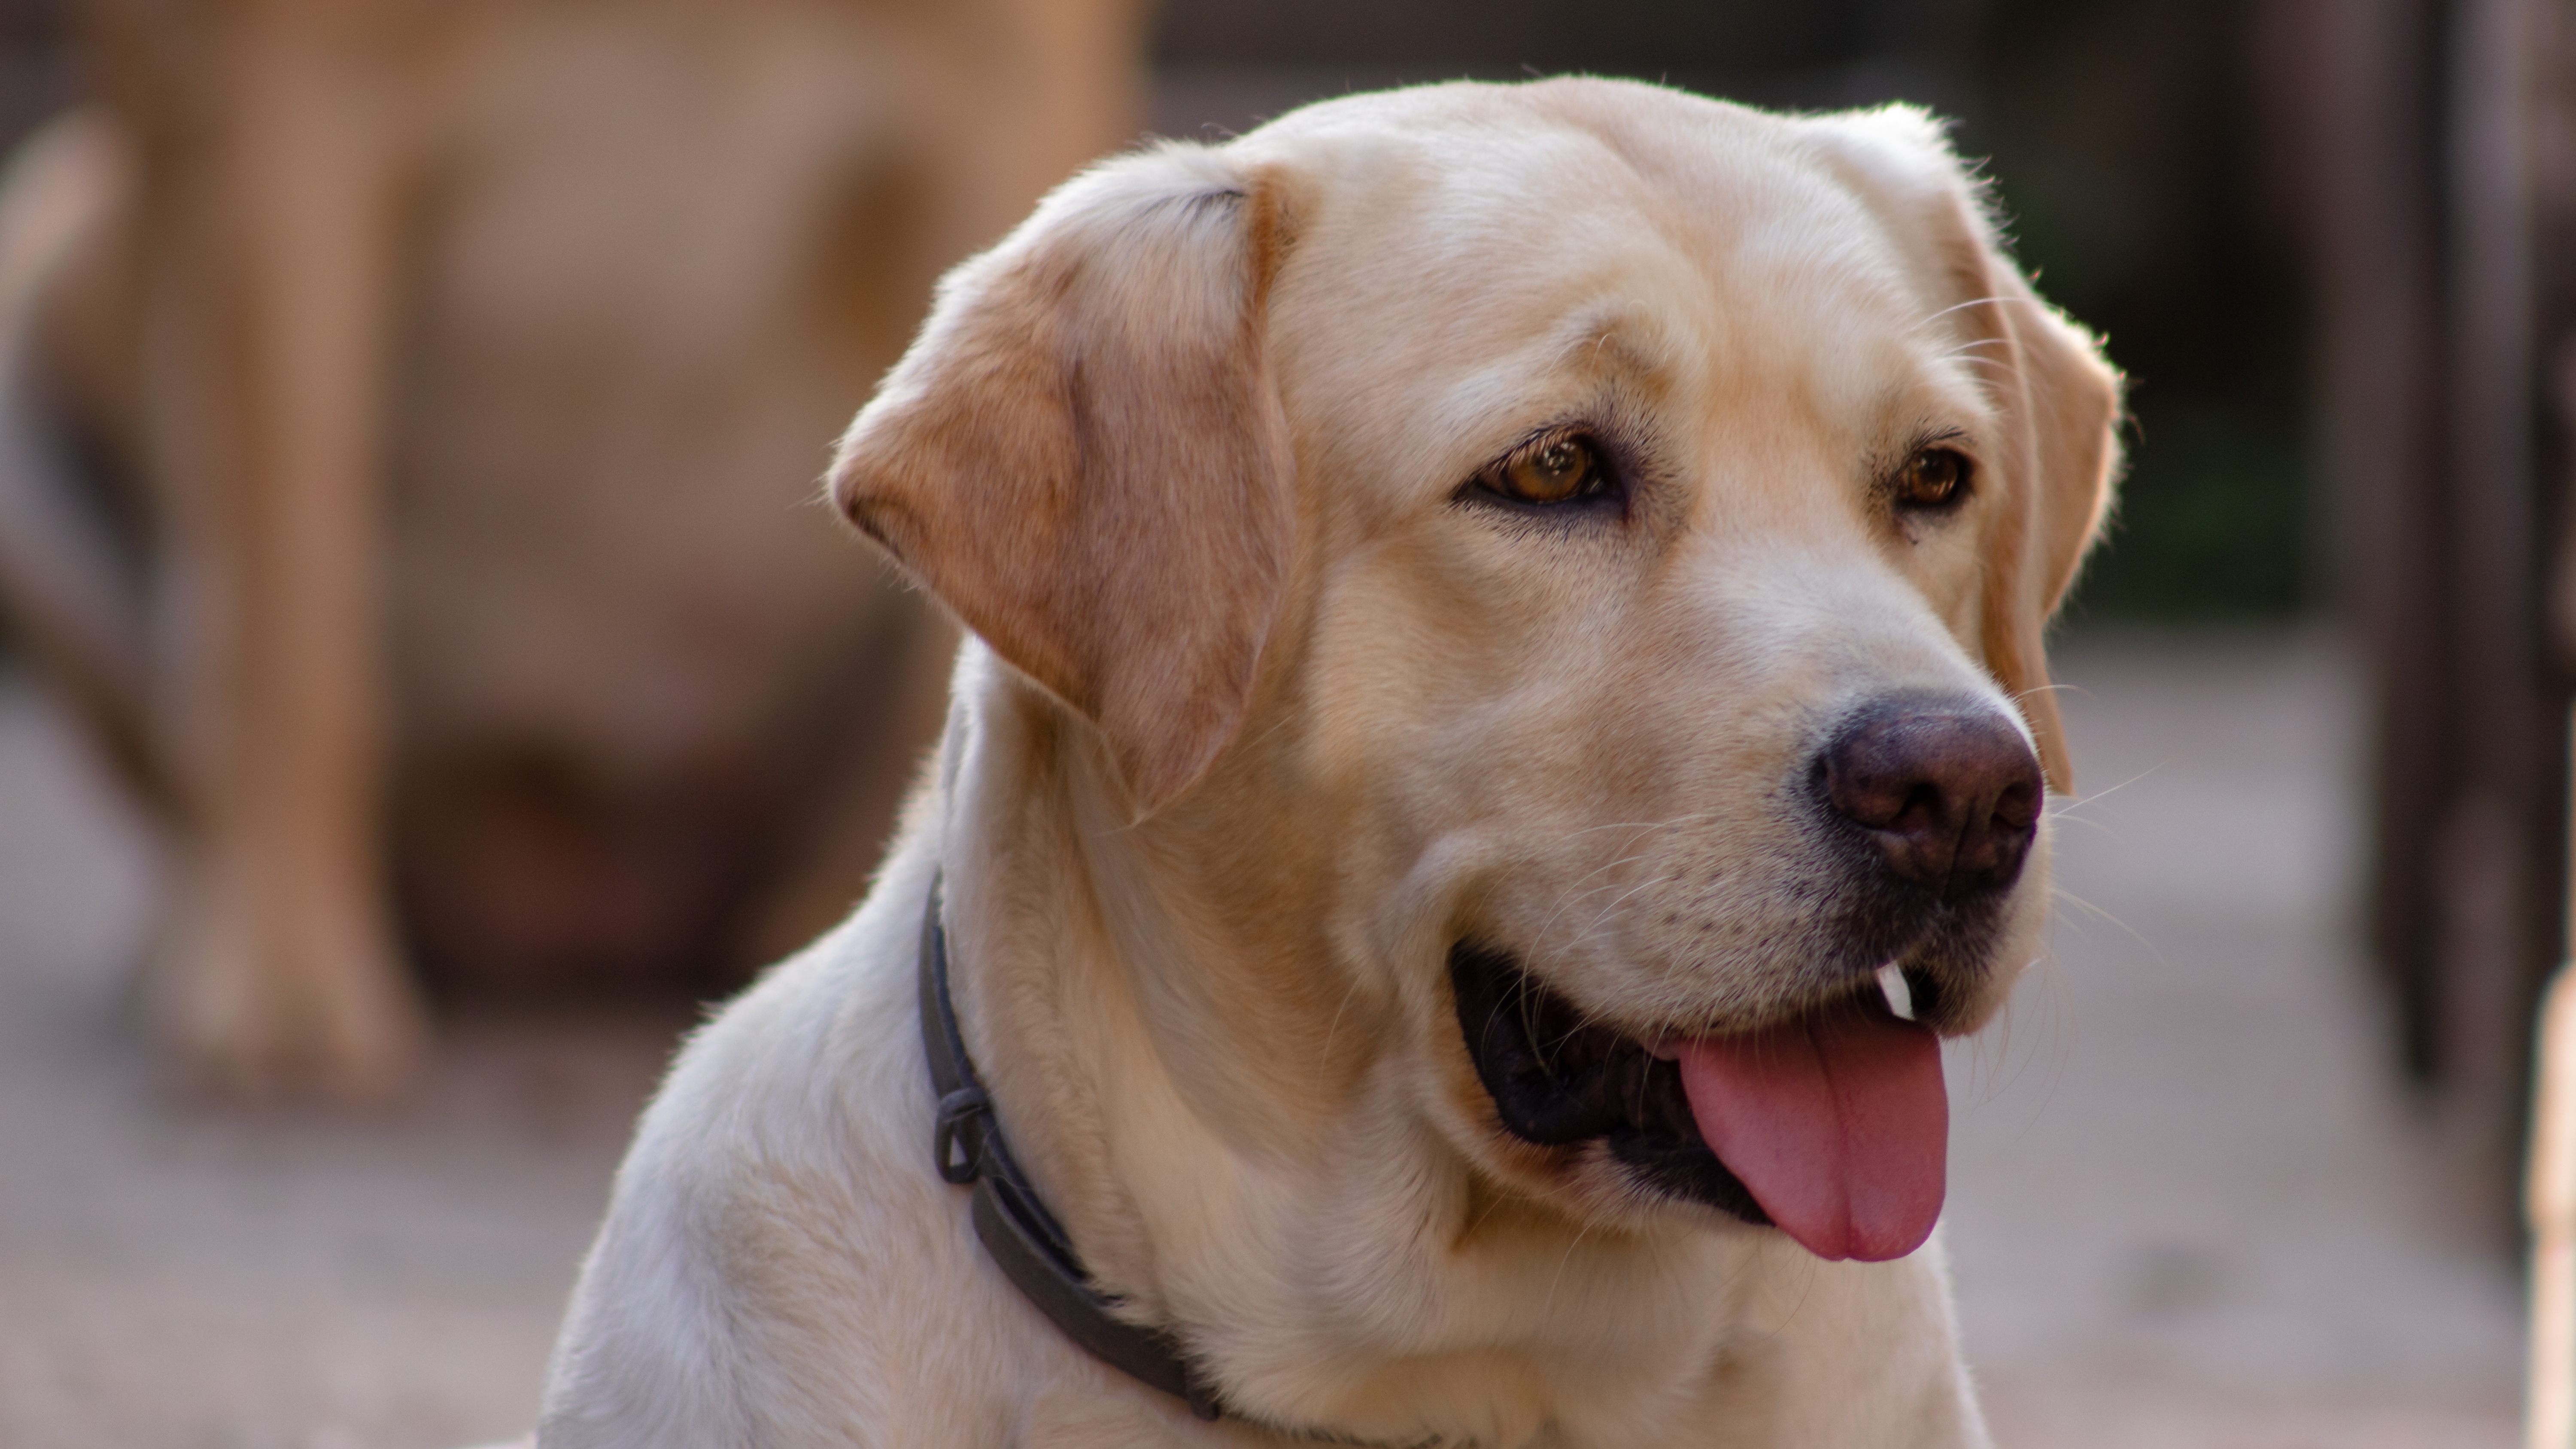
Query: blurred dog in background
410	413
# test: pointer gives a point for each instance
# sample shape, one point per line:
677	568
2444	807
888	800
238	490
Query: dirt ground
2187	1211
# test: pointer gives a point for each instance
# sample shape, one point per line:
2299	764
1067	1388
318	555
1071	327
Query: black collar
1024	1239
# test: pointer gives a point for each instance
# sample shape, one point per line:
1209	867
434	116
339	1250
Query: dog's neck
1217	1098
1105	982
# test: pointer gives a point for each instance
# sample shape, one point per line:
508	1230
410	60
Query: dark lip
1560	1079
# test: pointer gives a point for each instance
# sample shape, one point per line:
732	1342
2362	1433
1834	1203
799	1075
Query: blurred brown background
2238	1169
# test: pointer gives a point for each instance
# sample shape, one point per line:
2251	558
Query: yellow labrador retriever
1506	718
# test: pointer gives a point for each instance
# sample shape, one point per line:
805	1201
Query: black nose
1948	791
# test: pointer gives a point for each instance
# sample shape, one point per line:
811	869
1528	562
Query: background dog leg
269	214
70	589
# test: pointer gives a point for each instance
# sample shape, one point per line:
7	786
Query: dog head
1565	566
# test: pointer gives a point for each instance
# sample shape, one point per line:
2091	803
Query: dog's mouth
1832	1126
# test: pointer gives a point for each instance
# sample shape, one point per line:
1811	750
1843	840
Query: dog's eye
1932	478
1558	470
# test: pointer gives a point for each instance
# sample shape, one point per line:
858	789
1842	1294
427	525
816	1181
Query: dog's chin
1613	1104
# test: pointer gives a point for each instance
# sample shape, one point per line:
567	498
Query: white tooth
1900	997
1662	1048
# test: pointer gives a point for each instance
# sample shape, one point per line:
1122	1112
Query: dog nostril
2018	807
1948	791
1923	805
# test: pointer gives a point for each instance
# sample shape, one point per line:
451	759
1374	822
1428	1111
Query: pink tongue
1837	1123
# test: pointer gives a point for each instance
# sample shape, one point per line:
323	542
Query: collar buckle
962	1116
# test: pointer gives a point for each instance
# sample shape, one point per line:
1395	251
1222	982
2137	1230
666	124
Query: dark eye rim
1959	493
1607	491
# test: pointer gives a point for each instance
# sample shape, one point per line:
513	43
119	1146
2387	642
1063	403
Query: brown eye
1557	471
1933	478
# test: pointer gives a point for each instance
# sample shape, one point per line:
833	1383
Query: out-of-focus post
2550	1199
2440	186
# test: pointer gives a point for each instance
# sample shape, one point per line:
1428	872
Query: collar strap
1022	1237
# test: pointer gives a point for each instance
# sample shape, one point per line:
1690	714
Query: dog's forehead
1465	242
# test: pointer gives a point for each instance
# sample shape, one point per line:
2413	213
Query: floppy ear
1083	455
2063	411
2060	400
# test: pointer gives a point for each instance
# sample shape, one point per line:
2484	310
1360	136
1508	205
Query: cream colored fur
1263	716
